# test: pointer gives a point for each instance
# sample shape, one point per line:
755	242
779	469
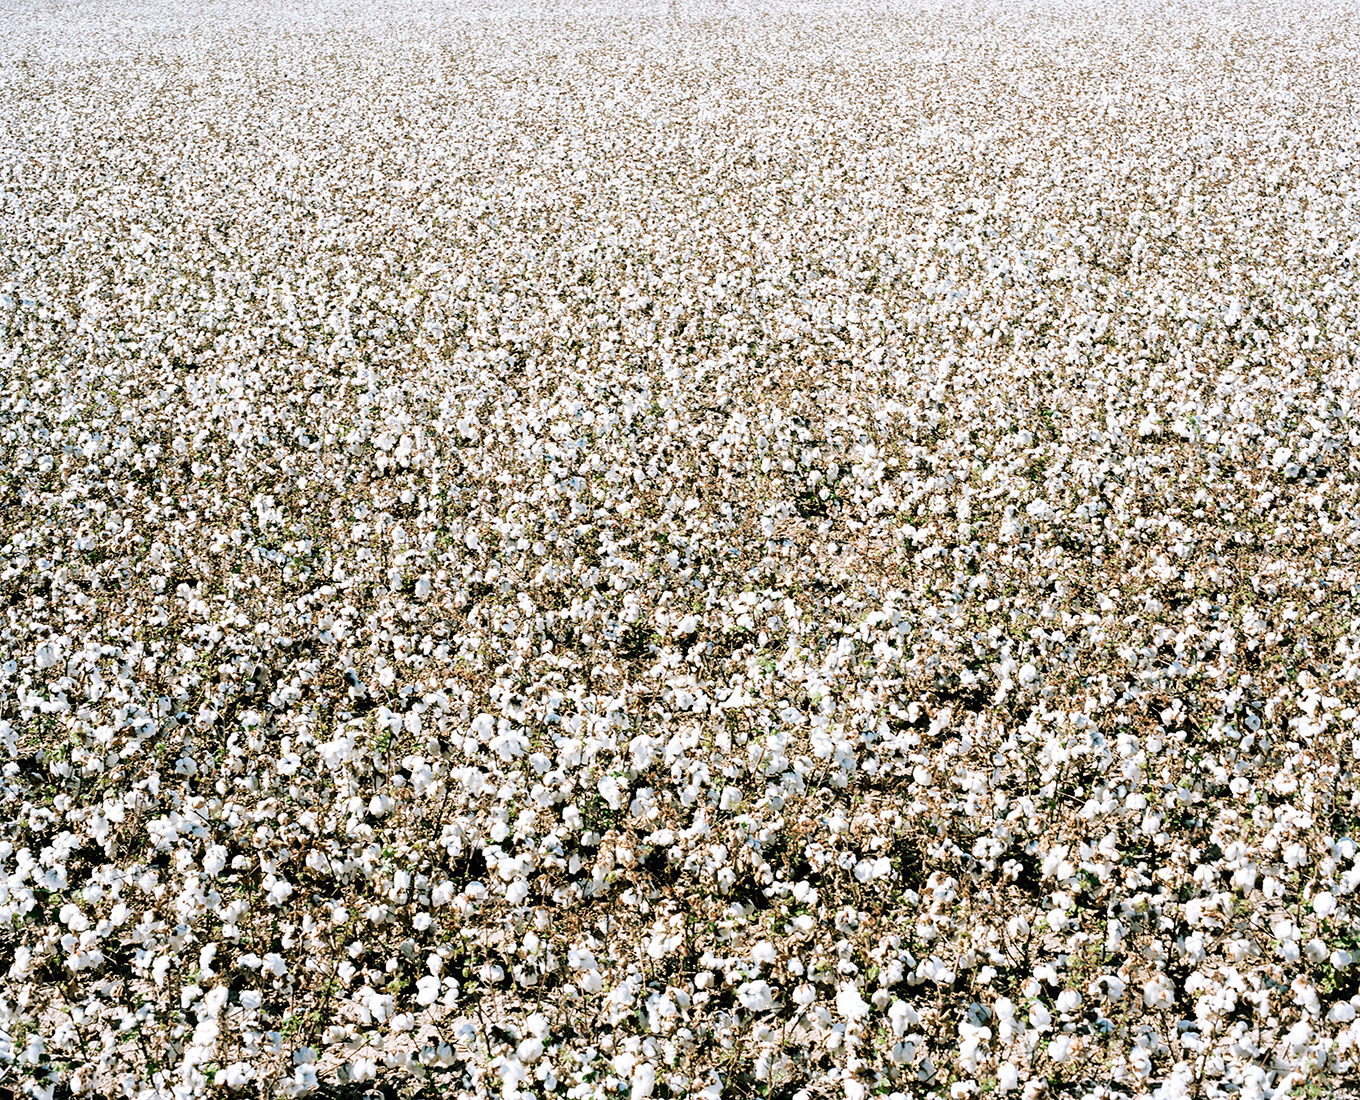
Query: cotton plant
522	579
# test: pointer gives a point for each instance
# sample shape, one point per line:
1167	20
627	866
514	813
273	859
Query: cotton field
687	549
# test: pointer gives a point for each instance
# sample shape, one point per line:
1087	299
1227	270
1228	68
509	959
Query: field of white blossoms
686	549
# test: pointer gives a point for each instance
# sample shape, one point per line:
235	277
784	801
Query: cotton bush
679	550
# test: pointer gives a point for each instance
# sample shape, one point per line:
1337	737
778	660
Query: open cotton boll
643	1081
902	1016
1157	992
644	750
1069	1000
849	1004
46	656
507	744
238	1075
610	790
755	996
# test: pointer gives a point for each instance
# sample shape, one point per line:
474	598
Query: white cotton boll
482	728
206	1031
730	798
764	953
1110	986
1040	1017
756	996
530	1050
1343	1012
644	751
850	1004
1324	904
1069	1000
1007	1077
237	1075
1063	1047
803	995
902	1016
1027	674
1280	457
278	892
215	1001
71	916
608	788
1157	993
507	745
304	1081
643	1081
1306	997
427	990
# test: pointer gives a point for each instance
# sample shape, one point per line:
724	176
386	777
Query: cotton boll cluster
679	551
